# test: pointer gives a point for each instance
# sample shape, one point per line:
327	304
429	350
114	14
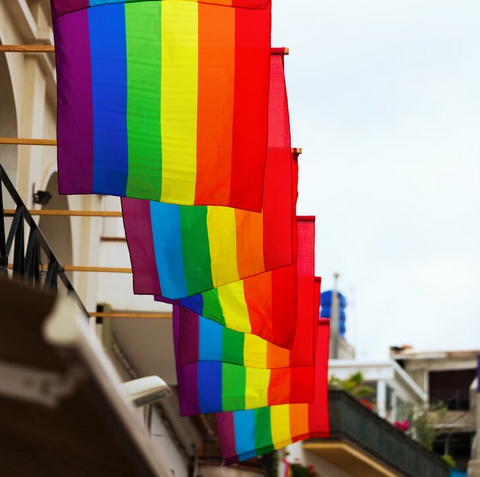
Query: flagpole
133	314
82	268
67	213
27	48
17	141
51	49
334	319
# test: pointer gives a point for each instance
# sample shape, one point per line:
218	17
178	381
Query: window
452	388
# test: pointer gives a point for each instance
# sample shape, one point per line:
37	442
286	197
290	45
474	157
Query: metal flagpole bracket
37	385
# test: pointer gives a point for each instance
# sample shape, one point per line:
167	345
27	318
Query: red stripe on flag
249	131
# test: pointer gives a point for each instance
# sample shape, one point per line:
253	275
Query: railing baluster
32	272
51	278
13	230
3	244
19	252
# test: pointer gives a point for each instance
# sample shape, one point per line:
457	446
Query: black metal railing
350	420
27	265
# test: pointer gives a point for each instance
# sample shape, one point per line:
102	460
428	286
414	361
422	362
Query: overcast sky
385	101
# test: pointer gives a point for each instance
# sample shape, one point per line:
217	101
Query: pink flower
403	426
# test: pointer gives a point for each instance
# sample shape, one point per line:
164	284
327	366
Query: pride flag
264	305
247	434
163	100
202	339
178	251
209	386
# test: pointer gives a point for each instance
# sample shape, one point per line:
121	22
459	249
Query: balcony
367	445
454	399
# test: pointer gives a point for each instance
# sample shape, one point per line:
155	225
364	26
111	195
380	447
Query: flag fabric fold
178	251
163	100
67	6
201	339
209	386
246	434
264	305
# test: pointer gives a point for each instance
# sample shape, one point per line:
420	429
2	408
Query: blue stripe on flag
210	340
109	90
167	242
245	433
209	386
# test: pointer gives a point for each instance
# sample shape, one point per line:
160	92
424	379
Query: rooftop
407	352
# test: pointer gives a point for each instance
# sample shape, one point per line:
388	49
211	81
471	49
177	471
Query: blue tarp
325	310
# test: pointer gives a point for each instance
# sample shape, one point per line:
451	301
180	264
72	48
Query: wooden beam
15	141
133	314
78	268
27	48
67	213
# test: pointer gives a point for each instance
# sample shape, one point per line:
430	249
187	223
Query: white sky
385	102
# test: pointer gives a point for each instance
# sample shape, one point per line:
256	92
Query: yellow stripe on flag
179	87
256	387
280	424
234	307
222	232
254	351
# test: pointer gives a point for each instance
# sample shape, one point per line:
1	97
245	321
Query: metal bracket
42	387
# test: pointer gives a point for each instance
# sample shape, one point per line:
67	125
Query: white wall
162	438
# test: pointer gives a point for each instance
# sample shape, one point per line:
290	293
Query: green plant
422	420
299	470
449	460
353	385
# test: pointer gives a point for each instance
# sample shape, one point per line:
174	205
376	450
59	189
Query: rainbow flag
202	339
178	251
209	386
163	100
247	434
262	305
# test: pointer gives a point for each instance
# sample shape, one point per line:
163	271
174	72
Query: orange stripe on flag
216	73
249	235
299	419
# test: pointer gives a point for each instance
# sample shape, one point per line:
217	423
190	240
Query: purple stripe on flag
226	430
189	337
140	245
187	378
176	328
75	107
64	6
